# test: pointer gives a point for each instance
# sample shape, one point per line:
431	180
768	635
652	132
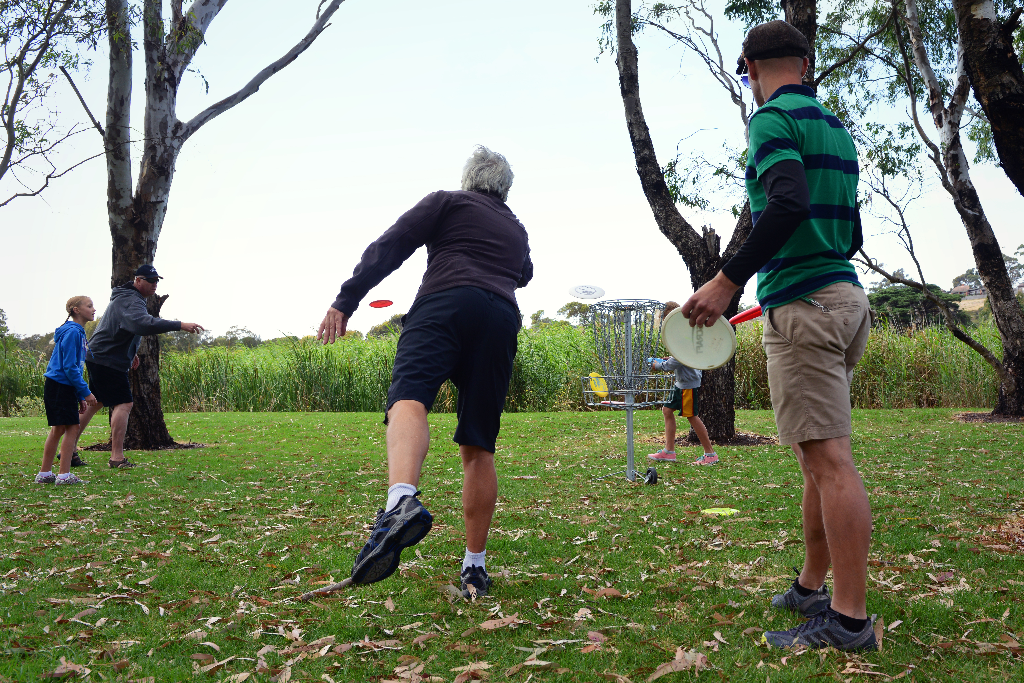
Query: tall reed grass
901	368
354	375
21	377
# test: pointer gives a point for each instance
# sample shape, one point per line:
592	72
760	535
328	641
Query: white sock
474	559
63	476
396	492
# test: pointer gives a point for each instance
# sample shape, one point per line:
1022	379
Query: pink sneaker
707	459
663	456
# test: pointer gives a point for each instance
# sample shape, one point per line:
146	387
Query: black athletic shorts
467	335
61	403
110	387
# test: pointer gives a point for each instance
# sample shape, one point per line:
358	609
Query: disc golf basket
626	334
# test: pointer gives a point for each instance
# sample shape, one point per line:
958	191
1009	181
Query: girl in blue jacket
65	393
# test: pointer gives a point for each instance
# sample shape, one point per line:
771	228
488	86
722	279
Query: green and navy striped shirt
792	124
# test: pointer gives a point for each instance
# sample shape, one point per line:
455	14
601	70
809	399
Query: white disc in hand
702	348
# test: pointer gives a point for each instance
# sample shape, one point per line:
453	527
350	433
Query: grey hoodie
686	377
116	339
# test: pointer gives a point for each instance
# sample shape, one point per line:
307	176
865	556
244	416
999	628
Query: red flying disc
743	317
380	303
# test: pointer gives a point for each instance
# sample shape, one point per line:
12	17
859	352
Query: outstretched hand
710	301
333	326
194	328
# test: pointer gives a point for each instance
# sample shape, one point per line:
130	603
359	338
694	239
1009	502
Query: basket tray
647	391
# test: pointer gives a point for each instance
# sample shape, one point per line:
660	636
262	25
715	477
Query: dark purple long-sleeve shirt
472	238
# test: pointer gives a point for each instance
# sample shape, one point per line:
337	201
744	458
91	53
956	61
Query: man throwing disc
462	326
802	183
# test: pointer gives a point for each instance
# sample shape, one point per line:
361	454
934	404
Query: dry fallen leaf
614	678
475	666
582	614
596	636
499	623
683	661
609	593
389	605
879	631
421	640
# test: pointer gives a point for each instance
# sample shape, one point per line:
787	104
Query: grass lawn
193	561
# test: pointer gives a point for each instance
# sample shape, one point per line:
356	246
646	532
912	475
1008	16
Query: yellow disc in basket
598	385
703	348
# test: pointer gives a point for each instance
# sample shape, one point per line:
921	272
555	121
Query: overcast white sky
274	201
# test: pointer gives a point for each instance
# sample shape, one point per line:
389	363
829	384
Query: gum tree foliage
38	38
1014	268
576	312
137	199
389	326
907	305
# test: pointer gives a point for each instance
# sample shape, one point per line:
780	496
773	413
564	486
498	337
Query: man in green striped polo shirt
801	179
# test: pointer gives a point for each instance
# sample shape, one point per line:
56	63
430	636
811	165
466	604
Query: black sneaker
477	577
392	533
76	460
806	606
824	630
121	464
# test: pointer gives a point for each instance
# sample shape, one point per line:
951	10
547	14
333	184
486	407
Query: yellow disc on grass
721	512
598	385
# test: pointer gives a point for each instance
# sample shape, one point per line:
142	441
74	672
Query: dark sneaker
477	577
824	630
121	464
46	478
392	533
806	606
76	460
70	479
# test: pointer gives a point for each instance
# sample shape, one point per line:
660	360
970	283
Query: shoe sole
382	562
778	643
661	459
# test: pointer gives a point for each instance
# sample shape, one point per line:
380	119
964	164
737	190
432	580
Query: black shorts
467	335
110	387
61	403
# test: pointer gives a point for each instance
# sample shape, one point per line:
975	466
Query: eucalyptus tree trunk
954	171
997	78
136	216
803	14
701	252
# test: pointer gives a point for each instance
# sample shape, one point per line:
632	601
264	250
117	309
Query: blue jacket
66	360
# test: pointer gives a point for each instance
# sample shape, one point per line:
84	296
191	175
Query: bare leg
85	418
50	446
816	556
846	514
118	428
408	439
67	448
702	433
479	495
670	429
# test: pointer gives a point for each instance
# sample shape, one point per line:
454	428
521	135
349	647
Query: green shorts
686	401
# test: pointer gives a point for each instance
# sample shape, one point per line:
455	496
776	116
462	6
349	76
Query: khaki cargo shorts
811	353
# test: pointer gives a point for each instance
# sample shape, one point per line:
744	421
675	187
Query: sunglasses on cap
745	80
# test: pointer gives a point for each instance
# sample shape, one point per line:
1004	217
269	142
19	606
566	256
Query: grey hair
487	171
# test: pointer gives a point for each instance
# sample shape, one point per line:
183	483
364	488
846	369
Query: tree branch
82	100
46	182
1004	377
853	53
252	86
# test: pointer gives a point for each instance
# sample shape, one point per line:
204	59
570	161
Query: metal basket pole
628	376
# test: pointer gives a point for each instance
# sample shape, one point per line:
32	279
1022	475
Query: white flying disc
586	292
703	348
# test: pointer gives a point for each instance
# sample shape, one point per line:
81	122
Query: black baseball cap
770	40
147	271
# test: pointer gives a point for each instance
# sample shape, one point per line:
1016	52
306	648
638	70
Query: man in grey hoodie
112	353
